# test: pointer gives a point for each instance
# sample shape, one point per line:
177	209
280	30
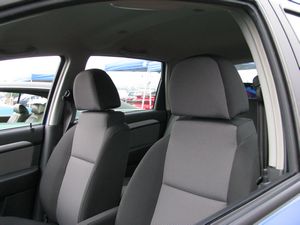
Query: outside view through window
248	72
24	88
25	84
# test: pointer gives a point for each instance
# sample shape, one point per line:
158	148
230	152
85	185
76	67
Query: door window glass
24	87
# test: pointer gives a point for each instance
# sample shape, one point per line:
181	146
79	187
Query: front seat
37	112
209	160
84	174
20	114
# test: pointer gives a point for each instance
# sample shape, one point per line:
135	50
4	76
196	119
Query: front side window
24	88
137	80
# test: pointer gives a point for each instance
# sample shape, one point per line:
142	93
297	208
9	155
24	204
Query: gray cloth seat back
37	113
209	160
84	174
20	114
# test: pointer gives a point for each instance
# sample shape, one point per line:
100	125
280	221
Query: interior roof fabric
95	91
213	89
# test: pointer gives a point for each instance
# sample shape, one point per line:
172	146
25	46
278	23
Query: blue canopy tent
136	66
42	77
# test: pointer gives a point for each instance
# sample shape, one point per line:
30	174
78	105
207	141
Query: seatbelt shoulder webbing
262	134
69	110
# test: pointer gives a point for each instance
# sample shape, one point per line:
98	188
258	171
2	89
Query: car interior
208	144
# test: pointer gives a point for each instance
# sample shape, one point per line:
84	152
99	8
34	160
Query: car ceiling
164	31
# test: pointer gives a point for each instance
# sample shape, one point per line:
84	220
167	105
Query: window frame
296	14
292	8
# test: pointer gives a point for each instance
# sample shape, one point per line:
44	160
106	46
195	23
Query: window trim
273	111
53	88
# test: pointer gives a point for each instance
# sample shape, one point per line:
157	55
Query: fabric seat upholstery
84	174
20	221
20	114
209	160
37	113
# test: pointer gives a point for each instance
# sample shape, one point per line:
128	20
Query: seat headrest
207	87
38	108
21	109
95	91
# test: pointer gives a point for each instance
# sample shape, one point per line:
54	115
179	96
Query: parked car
182	146
141	99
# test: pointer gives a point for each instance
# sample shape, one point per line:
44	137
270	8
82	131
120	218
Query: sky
22	69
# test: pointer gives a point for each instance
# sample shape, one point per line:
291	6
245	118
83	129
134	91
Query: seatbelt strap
69	111
262	134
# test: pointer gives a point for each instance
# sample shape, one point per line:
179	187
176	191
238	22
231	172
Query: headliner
164	31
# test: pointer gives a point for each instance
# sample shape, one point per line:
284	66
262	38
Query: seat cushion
20	221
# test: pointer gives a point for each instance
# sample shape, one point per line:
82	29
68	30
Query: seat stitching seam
81	158
200	195
245	139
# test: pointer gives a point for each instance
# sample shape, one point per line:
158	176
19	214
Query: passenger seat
84	174
210	159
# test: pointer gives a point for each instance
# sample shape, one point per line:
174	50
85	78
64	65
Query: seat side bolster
54	173
105	218
138	203
245	168
104	188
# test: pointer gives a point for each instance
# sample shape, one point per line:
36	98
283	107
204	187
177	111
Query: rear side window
24	88
137	80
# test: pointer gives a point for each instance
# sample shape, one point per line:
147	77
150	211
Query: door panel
17	156
145	129
18	191
19	169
